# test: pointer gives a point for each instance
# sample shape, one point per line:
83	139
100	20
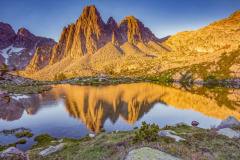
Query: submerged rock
52	149
229	133
150	154
229	123
13	153
168	133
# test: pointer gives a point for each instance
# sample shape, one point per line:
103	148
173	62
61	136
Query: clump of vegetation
15	131
24	134
60	77
147	133
22	141
102	130
43	139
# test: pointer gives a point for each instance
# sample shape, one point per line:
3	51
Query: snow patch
8	51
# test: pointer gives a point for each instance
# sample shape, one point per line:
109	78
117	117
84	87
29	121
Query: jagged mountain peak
111	21
129	18
7	35
23	32
90	12
134	31
111	25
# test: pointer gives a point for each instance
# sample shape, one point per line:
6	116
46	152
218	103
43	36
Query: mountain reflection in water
94	105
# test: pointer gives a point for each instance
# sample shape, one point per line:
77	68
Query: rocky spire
132	30
90	33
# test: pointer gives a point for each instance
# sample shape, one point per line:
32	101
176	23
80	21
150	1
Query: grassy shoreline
29	86
199	143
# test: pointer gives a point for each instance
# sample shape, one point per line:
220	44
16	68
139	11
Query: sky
164	17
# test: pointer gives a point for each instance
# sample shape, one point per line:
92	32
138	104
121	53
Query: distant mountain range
91	46
16	50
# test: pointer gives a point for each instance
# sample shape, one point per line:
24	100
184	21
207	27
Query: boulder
150	154
91	135
13	153
229	123
169	133
229	133
195	123
52	149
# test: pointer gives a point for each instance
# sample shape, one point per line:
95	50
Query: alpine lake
73	111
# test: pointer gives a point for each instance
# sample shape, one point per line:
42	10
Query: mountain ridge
17	49
140	51
90	33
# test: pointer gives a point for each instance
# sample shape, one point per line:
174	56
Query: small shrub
102	130
59	77
135	128
147	133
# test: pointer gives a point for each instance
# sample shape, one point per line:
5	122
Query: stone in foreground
229	123
168	133
228	132
52	149
13	153
146	153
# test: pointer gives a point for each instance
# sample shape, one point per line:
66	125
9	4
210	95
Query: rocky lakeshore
180	141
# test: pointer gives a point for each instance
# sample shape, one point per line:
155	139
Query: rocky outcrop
90	33
7	35
41	58
13	153
16	50
149	153
229	123
169	133
223	34
52	149
63	48
229	133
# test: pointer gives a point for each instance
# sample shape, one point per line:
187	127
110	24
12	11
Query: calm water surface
74	111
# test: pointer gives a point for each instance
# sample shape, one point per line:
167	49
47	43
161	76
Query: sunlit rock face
132	30
223	34
17	50
90	33
40	59
94	105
